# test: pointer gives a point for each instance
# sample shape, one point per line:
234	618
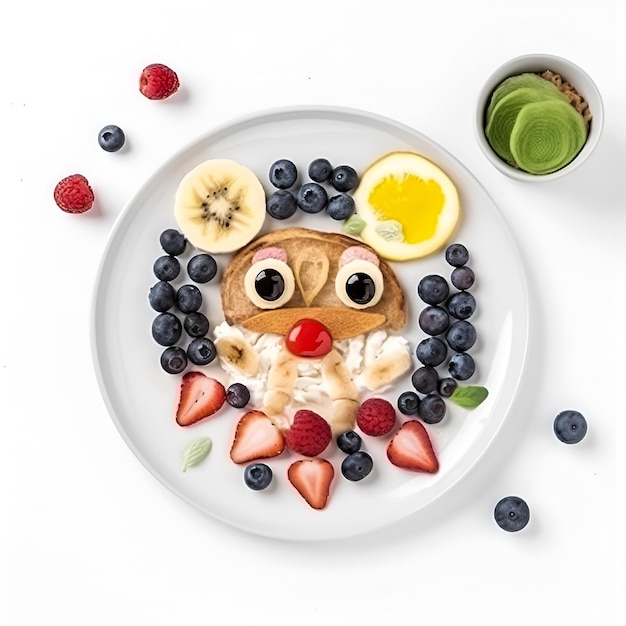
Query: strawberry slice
412	449
256	437
312	479
200	397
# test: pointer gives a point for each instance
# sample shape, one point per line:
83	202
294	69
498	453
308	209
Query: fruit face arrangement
311	343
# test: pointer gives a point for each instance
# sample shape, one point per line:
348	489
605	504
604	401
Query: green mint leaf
353	225
469	397
196	452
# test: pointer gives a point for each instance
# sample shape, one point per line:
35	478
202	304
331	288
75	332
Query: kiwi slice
546	145
504	116
528	80
547	136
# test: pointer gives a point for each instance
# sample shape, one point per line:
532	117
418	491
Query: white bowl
539	63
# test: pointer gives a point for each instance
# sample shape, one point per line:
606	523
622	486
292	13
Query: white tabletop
88	535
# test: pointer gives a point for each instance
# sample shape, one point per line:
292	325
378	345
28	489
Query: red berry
158	82
376	417
73	194
309	434
411	448
312	478
199	396
309	338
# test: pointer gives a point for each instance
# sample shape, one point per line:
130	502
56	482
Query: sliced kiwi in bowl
547	136
504	117
528	80
532	125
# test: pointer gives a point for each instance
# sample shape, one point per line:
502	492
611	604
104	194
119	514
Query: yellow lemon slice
409	205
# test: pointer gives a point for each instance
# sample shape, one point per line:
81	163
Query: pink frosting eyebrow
271	252
358	252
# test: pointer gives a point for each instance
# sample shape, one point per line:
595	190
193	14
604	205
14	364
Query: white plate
140	396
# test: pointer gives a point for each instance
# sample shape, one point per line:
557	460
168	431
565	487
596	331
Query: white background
87	535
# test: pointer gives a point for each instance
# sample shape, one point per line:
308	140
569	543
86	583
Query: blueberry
161	296
196	324
461	336
570	426
425	379
433	289
281	204
166	267
173	360
461	366
349	442
166	329
312	198
431	351
340	207
201	351
434	320
408	403
111	138
283	174
258	476
360	288
237	395
457	254
446	387
511	514
344	178
188	298
201	268
173	242
462	277
462	305
357	465
320	170
432	408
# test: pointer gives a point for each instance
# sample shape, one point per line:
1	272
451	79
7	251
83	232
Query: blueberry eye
360	288
359	284
269	284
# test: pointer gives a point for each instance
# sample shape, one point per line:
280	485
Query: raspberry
309	434
376	417
157	82
73	194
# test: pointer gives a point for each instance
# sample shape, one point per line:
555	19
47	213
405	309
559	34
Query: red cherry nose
309	338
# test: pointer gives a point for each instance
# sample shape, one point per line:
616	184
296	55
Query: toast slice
314	258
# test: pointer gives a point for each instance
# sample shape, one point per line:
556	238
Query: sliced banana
269	283
343	416
237	354
220	206
385	369
359	284
337	378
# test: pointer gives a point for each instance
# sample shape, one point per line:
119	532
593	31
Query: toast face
313	256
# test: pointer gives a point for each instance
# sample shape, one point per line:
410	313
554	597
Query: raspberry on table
157	81
73	194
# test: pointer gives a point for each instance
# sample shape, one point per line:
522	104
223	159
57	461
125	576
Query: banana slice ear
220	206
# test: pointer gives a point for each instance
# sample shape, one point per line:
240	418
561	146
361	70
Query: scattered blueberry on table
570	426
111	138
512	514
